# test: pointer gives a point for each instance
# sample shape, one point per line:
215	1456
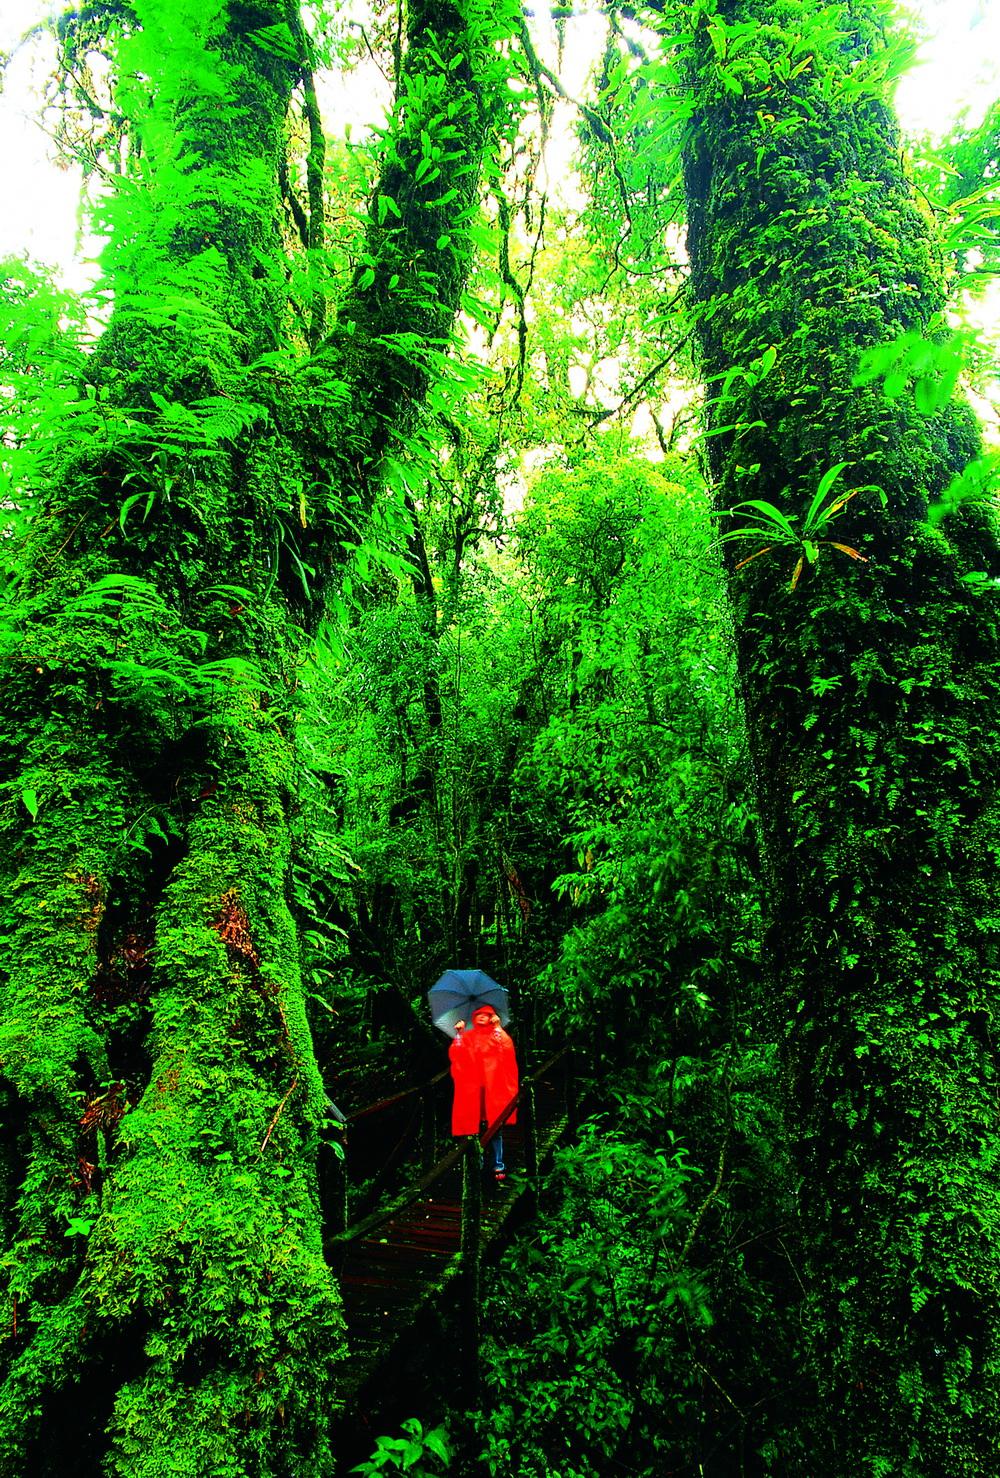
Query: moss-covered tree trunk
166	1306
871	692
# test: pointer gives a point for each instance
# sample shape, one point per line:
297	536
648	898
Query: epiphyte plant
764	520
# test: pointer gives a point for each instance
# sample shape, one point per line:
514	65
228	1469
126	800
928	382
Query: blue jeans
493	1155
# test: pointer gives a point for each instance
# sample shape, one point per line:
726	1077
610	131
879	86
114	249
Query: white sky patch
40	199
957	66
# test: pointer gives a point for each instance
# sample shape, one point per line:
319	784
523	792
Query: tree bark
871	691
166	1305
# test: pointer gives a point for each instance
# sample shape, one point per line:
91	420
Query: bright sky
958	69
40	201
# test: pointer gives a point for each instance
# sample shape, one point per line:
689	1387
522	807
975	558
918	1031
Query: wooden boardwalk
397	1263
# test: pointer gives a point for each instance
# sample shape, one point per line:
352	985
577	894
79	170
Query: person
484	1072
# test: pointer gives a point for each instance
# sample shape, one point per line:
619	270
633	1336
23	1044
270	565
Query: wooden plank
386	1281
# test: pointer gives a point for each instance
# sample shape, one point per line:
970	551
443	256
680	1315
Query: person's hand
460	1026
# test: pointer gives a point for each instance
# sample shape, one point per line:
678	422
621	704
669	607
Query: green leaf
129	504
927	397
717	36
30	800
770	515
826	482
435	1442
277	39
739	426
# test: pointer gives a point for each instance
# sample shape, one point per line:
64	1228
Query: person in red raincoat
484	1070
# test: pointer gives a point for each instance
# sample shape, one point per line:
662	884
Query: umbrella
457	994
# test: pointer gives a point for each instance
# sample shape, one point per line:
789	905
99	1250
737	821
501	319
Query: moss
868	691
164	1302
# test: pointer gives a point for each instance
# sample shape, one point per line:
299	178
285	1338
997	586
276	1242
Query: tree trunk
164	1287
871	692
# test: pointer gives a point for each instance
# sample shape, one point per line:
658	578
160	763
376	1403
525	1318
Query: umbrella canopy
459	992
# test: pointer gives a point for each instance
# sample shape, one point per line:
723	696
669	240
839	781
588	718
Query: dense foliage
867	678
183	505
422	565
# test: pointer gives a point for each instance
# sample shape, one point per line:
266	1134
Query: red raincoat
484	1070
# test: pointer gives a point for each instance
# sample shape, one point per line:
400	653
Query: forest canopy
518	492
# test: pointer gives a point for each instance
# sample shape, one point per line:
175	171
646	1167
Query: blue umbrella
459	992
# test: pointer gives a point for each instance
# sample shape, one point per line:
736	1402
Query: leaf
435	1442
749	557
842	502
974	484
234	592
30	800
770	514
826	482
752	531
797	571
129	504
277	39
846	549
928	397
734	426
717	36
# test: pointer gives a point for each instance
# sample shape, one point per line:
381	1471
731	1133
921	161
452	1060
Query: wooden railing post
529	1118
333	1178
530	1131
427	1137
530	1035
472	1231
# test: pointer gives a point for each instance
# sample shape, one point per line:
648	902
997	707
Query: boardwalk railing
469	1147
333	1165
466	1152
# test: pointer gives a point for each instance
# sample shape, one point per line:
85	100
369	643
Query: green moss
164	1301
868	690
